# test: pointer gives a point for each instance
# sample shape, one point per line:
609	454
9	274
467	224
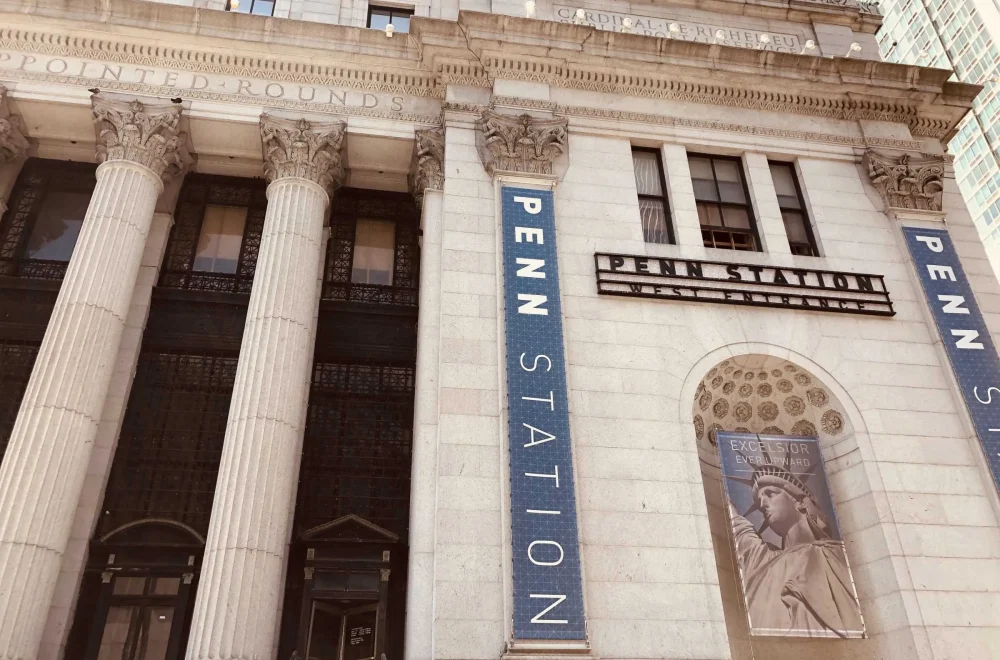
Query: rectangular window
652	189
793	210
221	238
723	202
379	17
374	252
258	7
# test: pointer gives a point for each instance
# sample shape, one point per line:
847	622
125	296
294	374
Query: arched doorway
769	395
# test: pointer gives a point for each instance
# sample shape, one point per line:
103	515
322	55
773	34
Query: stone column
50	445
13	146
240	592
426	184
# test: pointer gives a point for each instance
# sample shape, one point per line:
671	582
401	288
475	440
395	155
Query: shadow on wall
769	395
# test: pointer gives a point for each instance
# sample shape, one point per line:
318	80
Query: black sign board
741	284
360	629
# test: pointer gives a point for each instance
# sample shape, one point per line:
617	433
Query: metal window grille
38	178
801	239
16	361
198	192
350	205
719	201
170	445
358	440
651	185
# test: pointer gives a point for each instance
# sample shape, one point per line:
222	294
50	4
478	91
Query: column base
538	649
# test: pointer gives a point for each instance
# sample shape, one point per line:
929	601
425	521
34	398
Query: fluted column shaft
240	590
50	445
241	581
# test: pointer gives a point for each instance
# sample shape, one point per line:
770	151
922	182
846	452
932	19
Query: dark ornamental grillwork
16	360
40	179
167	459
349	206
358	438
200	191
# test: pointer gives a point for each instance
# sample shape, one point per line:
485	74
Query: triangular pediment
350	528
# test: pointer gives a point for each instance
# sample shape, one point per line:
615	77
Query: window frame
754	230
806	216
229	7
664	198
391	9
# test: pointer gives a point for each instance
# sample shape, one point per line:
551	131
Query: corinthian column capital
140	133
907	184
13	143
427	167
303	149
522	144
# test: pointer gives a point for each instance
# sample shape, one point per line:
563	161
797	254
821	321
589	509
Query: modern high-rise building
963	36
467	330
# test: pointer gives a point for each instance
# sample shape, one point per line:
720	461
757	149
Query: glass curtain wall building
961	35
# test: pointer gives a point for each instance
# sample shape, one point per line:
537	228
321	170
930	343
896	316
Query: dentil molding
905	183
427	167
147	134
13	143
522	144
303	149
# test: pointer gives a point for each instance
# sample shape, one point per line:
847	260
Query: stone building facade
256	359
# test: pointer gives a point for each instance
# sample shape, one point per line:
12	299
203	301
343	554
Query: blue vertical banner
966	338
548	597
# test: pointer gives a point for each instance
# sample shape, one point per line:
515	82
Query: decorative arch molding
163	522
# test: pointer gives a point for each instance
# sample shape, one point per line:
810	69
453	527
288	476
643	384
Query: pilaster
240	592
51	444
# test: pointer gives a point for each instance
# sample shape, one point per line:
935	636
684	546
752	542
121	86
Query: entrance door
338	632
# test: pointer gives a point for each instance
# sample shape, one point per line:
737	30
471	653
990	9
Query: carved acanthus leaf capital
141	133
427	167
303	149
523	144
905	183
13	143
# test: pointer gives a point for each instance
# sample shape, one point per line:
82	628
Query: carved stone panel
522	144
905	183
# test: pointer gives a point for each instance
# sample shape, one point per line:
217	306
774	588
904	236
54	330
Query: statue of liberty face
780	509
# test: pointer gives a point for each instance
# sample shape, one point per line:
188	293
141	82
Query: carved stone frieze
141	133
427	168
13	142
522	144
905	183
303	149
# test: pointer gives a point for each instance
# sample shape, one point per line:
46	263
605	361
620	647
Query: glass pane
221	238
363	582
648	180
401	23
242	6
730	181
327	581
360	629
795	226
378	19
58	225
784	182
165	586
704	190
115	637
374	252
708	215
263	7
324	633
654	221
155	634
701	168
128	586
736	217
